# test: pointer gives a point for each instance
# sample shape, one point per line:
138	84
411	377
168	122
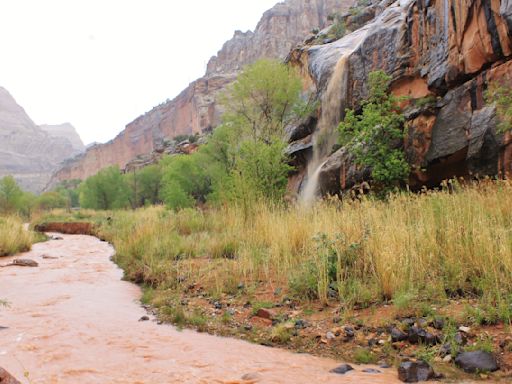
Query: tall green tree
145	185
105	190
264	99
11	195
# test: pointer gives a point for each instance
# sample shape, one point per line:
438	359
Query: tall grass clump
13	237
456	241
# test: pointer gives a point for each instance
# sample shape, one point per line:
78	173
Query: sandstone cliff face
195	110
448	50
26	151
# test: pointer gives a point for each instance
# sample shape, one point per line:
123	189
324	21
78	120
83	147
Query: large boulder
477	361
415	371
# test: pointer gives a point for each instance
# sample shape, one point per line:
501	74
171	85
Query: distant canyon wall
28	152
195	110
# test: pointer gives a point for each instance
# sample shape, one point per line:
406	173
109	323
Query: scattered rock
384	366
438	323
349	332
56	237
466	330
398	335
447	359
445	350
144	318
342	369
22	263
252	377
419	335
371	370
477	361
49	257
265	314
1	329
414	371
248	327
330	336
6	378
217	305
301	324
408	322
460	339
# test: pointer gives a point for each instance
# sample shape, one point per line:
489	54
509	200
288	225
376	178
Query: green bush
375	137
501	97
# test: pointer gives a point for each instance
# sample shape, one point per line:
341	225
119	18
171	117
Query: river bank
73	320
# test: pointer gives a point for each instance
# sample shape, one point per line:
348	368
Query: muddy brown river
73	320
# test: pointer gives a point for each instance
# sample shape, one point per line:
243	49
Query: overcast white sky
99	64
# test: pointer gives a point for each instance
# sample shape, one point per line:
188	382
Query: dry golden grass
13	237
363	251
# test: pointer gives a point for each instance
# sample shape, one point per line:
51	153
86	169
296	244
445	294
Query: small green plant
424	101
226	318
484	343
364	356
375	137
501	97
404	300
426	353
282	333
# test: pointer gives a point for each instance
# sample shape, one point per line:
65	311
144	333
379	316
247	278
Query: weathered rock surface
195	110
6	378
28	152
477	361
445	50
415	371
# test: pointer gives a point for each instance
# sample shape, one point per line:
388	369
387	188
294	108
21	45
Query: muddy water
72	320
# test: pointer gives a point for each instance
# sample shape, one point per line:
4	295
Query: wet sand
72	320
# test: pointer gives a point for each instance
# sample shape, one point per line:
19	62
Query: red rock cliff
448	50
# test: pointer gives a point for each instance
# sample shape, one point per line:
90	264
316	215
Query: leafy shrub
501	97
375	137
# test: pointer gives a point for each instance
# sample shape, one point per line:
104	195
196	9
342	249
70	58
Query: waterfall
333	106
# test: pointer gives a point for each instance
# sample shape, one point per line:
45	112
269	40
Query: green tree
145	185
264	100
105	190
10	195
501	97
185	181
51	200
375	137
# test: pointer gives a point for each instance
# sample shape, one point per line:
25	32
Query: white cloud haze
101	63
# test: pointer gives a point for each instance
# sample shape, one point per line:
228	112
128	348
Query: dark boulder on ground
398	335
415	371
477	361
6	378
342	369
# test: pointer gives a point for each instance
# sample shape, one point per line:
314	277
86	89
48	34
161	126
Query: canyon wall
442	54
195	110
27	152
